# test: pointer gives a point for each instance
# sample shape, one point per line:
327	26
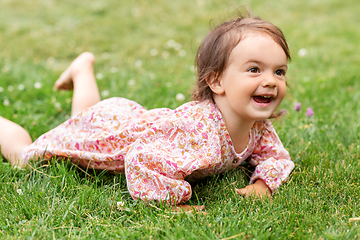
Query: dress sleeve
272	160
158	162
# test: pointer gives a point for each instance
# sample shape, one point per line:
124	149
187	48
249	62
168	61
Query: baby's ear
214	82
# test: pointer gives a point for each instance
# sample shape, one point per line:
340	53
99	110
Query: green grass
39	38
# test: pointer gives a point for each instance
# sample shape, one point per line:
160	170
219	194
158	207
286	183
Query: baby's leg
80	77
13	140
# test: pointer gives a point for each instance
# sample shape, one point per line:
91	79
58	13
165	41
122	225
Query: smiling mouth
263	99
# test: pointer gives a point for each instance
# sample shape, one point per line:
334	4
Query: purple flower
283	111
309	112
297	106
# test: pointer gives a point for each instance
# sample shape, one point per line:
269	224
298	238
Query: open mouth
263	99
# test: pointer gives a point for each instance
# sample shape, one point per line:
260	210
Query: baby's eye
254	70
280	72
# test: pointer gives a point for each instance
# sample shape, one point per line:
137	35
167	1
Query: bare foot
83	61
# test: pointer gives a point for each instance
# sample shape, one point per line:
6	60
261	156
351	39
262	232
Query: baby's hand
259	188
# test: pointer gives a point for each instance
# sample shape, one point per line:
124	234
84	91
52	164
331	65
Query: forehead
257	45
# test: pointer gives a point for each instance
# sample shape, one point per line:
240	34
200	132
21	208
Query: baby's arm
272	161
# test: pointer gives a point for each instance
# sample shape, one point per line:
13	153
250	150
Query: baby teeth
266	96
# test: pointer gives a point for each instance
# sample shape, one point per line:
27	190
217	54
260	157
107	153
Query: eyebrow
260	62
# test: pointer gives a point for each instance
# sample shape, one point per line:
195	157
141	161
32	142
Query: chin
261	117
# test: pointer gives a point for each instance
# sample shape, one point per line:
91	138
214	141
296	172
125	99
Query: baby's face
253	83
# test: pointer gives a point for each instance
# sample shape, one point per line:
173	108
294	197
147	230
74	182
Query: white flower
37	85
131	82
6	69
152	75
50	60
57	105
138	63
1	89
171	43
19	191
302	52
21	87
182	53
99	76
180	97
114	69
136	12
165	54
105	93
153	52
120	204
10	88
6	102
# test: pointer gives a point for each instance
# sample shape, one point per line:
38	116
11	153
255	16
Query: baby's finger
241	191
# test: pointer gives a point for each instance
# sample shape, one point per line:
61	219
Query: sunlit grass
145	52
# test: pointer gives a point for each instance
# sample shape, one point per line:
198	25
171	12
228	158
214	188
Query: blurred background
145	52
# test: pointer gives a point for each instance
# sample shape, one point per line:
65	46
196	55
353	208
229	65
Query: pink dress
157	149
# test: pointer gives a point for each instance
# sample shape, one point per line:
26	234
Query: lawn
145	52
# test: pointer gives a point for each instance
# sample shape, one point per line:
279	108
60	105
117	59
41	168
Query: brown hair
214	51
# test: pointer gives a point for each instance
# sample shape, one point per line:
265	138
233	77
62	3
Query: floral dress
160	149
